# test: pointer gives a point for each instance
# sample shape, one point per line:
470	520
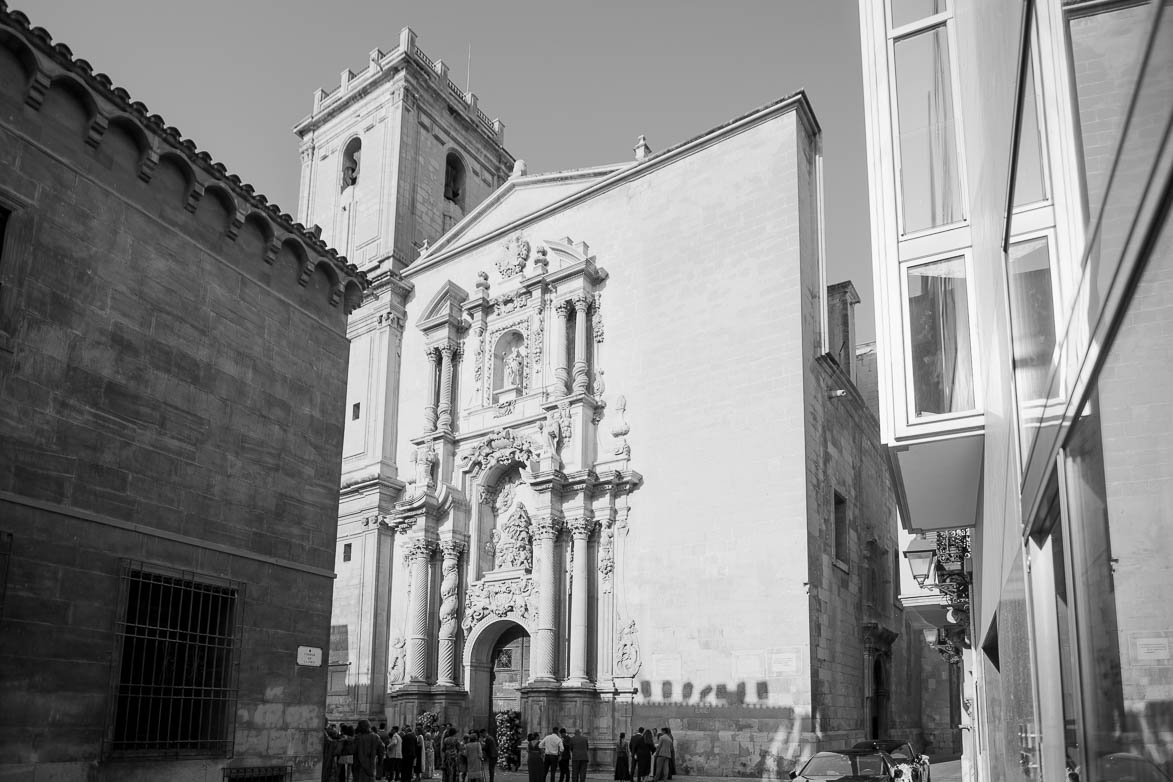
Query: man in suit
579	755
489	744
564	759
410	748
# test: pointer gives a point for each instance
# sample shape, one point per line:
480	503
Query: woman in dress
473	759
622	766
428	740
534	760
451	750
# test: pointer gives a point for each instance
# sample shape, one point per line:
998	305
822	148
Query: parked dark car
850	765
903	753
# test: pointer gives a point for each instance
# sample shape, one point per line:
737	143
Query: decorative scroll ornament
621	428
597	317
627	657
500	598
501	447
513	547
606	558
396	666
514	255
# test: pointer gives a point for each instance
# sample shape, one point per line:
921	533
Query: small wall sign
310	656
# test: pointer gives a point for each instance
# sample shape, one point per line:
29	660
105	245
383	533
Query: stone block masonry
172	373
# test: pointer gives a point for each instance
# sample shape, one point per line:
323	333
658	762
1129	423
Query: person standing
564	758
622	763
579	755
410	748
489	745
429	742
663	754
672	759
368	753
450	749
394	754
533	758
642	753
473	760
551	753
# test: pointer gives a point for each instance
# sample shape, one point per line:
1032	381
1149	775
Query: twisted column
447	353
430	407
581	530
449	607
581	303
419	557
544	649
561	373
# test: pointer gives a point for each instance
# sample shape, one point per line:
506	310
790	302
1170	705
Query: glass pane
1066	649
929	179
1032	328
940	347
906	11
1104	48
1120	468
1029	183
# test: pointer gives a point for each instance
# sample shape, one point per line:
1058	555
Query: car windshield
900	753
834	765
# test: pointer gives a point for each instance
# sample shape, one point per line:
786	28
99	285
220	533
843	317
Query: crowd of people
356	753
562	758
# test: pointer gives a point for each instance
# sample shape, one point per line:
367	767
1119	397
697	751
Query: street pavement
945	771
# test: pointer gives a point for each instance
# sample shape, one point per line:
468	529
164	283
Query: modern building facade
606	461
1020	175
173	358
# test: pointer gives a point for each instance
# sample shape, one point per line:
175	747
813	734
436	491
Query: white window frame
919	424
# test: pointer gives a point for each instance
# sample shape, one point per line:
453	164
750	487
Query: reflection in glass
1029	182
1104	47
941	355
906	11
929	177
1032	325
1066	649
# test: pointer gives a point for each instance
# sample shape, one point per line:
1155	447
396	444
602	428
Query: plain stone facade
172	365
599	411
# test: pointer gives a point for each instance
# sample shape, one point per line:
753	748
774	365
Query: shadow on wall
727	730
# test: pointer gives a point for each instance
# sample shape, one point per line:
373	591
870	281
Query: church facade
606	462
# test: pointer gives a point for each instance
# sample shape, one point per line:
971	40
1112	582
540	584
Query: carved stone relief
627	656
620	429
501	447
514	256
512	546
500	598
396	666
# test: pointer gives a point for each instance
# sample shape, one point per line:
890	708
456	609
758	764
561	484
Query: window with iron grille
261	773
176	665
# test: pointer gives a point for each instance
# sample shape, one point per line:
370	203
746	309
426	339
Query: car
903	753
850	764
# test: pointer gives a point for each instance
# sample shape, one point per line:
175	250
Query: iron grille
177	664
261	773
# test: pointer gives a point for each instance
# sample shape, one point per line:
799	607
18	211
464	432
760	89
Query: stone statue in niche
425	458
514	367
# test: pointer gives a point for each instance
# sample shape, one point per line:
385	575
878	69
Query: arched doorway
498	668
510	669
878	727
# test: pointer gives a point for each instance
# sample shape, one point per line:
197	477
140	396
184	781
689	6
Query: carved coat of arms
513	258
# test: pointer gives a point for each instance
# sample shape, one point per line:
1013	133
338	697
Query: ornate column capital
451	549
583	302
420	549
432	354
581	528
546	528
563	307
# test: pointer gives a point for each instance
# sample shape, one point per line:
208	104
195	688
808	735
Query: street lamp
920	554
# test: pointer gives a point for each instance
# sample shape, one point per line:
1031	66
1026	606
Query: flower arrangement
428	721
508	739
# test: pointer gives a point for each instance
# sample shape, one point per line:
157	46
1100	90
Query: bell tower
391	158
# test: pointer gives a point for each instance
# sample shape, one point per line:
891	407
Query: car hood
866	778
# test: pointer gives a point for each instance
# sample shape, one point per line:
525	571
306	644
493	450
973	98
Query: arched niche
17	65
509	365
70	104
504	521
454	180
351	163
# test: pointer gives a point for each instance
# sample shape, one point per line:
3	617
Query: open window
351	161
454	180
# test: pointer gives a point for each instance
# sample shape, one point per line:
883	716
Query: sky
575	83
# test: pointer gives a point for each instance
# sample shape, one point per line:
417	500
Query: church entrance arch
498	669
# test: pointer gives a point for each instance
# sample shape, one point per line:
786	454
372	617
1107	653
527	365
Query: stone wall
171	381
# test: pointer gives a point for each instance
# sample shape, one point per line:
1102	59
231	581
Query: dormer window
351	158
454	180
